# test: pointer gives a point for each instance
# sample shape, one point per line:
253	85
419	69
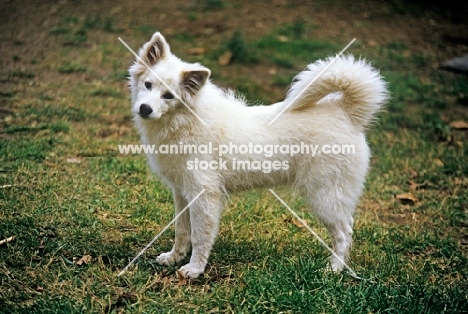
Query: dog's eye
148	85
168	96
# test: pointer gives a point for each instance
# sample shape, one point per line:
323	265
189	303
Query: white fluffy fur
333	110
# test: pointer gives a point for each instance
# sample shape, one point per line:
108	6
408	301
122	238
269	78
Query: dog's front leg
182	233
205	214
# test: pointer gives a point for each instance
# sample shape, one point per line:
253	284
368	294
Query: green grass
107	92
74	29
99	22
72	67
210	5
109	207
276	48
239	48
54	127
22	74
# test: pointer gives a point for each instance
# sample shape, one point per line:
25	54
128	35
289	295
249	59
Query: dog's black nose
145	110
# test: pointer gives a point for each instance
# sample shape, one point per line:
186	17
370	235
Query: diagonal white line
159	234
311	82
352	272
162	81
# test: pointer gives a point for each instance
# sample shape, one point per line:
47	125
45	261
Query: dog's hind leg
205	214
341	234
335	211
182	233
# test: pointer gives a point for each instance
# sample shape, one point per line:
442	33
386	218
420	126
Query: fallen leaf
74	160
413	173
371	43
459	124
86	259
50	164
259	25
407	198
283	38
182	280
438	162
225	58
460	181
289	219
413	186
298	223
196	51
7	240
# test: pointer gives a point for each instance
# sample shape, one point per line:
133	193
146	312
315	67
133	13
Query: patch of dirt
25	28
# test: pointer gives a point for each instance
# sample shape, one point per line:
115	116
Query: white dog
175	103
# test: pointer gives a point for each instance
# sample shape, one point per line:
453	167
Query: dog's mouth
146	117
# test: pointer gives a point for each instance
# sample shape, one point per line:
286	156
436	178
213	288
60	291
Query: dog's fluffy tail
363	89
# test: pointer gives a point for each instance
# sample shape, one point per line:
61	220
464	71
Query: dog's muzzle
145	111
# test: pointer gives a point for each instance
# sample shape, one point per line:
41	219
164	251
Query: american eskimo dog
175	103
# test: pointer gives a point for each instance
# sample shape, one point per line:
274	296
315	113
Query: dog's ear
154	50
193	80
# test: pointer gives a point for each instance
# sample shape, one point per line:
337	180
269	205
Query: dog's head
161	83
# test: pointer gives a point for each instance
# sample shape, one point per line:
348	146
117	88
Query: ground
75	211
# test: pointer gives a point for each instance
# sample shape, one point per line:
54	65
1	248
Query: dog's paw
191	271
337	265
167	259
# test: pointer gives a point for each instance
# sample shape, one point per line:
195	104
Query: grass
65	193
74	30
21	73
72	67
241	51
57	127
210	5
